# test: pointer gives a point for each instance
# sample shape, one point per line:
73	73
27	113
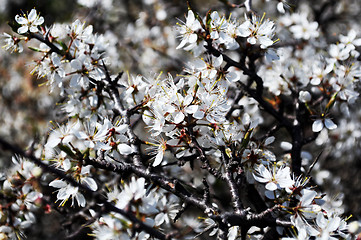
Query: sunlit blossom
29	22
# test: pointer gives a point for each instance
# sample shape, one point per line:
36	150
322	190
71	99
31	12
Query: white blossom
257	30
188	31
274	178
319	124
29	22
12	43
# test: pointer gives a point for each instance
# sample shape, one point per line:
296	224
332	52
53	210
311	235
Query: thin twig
313	164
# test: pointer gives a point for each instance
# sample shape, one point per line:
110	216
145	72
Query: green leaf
35	49
67	150
246	138
63	45
208	20
331	102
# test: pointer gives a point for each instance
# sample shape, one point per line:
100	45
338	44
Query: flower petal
317	126
125	149
330	124
32	15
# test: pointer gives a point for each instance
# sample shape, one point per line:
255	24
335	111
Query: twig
313	164
111	87
237	204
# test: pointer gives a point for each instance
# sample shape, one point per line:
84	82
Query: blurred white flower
304	96
305	31
12	43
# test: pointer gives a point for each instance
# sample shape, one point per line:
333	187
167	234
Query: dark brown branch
313	164
266	106
233	188
206	194
263	219
51	45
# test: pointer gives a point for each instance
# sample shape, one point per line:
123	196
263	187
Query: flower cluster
225	32
225	138
21	186
155	208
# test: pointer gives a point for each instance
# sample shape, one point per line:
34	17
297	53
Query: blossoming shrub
224	149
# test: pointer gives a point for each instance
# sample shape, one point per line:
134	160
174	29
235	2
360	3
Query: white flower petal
269	140
58	184
179	117
159	219
271	186
307	197
280	7
198	114
34	29
124	149
190	18
21	20
23	29
193	38
158	158
32	15
39	21
80	199
252	40
66	164
330	124
90	183
76	64
232	77
317	126
286	146
191	109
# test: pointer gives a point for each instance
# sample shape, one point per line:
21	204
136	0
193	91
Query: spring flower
218	24
304	96
79	31
66	190
29	23
93	135
306	209
350	40
188	30
327	226
12	43
318	125
305	30
159	149
274	178
257	31
62	134
133	191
